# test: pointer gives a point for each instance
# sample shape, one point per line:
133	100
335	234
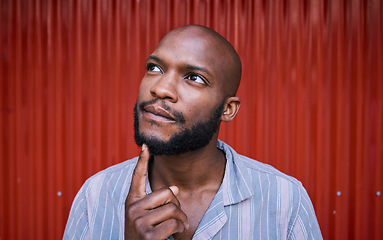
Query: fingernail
143	147
174	189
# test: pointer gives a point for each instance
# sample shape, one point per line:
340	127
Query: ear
231	108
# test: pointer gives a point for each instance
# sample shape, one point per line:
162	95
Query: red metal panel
312	99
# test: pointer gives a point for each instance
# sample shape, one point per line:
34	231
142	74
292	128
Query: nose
165	87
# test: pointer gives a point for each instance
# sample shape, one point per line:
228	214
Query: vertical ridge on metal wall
312	99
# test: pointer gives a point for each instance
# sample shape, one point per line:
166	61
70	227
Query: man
186	183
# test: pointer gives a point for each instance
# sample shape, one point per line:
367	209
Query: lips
159	112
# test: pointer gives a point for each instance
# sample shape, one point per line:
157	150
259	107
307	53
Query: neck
202	168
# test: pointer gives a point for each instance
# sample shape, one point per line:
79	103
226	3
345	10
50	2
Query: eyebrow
191	67
187	66
154	58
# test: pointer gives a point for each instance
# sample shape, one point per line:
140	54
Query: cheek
199	104
143	90
198	112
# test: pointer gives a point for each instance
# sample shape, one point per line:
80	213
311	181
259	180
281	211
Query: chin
158	132
171	139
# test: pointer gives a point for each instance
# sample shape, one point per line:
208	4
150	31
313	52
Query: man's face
180	99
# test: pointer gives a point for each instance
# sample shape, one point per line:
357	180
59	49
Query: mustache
179	117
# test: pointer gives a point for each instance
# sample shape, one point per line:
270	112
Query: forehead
194	48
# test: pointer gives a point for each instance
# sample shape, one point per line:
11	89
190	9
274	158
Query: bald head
226	57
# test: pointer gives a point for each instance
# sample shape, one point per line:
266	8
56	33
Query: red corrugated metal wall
312	99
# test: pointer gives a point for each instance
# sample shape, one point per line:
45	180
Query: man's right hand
151	216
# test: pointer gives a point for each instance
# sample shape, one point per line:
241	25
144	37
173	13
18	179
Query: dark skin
193	70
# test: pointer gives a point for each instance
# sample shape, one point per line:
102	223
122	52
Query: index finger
138	184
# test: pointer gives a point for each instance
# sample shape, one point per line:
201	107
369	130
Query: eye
150	67
196	78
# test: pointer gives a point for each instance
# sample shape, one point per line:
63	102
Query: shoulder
117	177
287	196
101	196
255	166
282	193
266	173
122	167
256	170
268	182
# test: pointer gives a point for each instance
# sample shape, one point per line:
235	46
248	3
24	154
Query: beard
198	136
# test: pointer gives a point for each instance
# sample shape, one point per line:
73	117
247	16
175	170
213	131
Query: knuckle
172	207
139	225
135	173
148	235
176	224
130	210
173	222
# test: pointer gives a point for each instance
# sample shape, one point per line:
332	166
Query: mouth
158	113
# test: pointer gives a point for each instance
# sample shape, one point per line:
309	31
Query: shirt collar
236	182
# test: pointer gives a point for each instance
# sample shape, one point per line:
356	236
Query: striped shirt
254	201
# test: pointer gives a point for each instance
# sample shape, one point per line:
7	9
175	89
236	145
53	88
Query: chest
244	220
195	208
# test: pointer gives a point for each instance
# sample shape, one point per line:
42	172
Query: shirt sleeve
305	224
77	226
